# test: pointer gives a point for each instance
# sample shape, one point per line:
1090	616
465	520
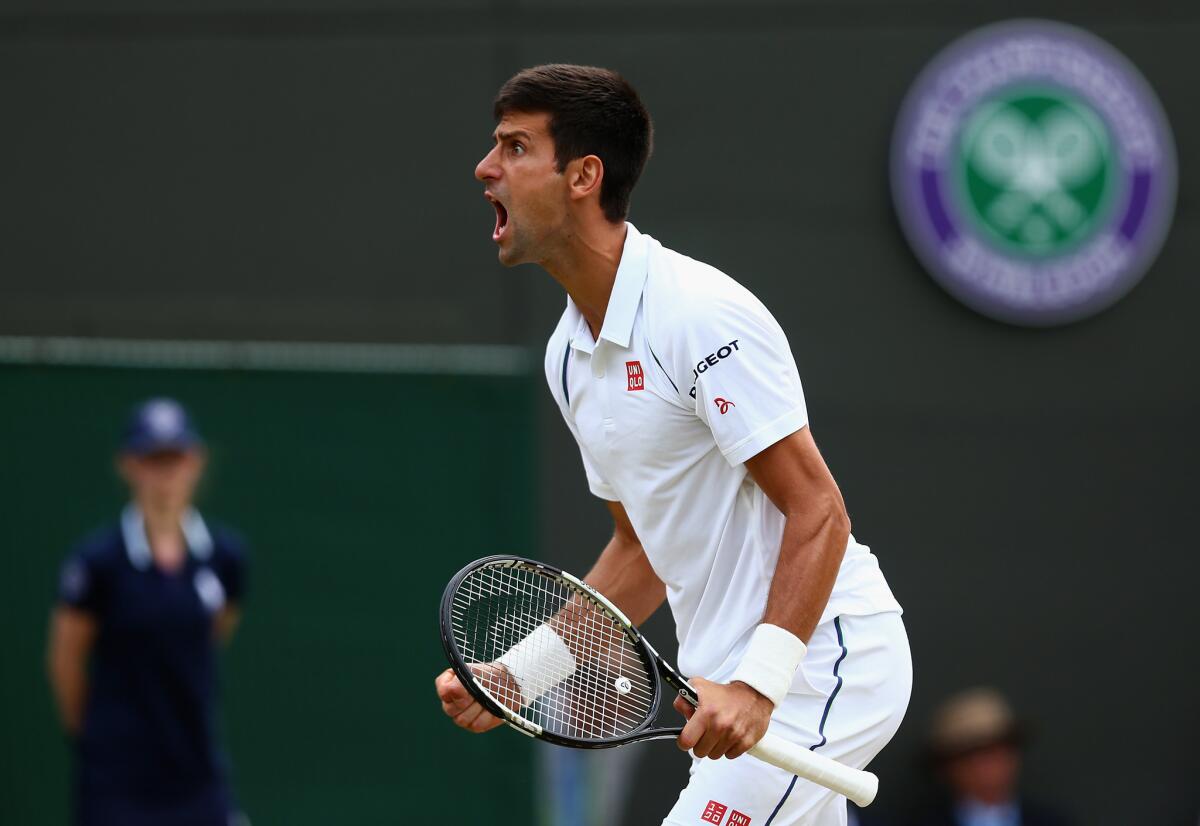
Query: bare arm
794	477
72	634
623	573
733	717
227	622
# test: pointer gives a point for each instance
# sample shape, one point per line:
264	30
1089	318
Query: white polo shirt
692	376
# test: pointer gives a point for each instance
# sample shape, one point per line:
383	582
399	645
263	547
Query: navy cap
159	424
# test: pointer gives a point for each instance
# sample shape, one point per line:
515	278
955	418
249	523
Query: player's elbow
822	521
838	522
838	534
833	520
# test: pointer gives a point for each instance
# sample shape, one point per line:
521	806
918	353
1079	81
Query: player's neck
586	266
164	532
161	515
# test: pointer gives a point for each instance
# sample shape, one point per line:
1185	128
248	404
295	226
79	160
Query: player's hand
729	721
461	707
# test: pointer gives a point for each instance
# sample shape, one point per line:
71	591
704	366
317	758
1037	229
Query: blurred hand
729	721
461	707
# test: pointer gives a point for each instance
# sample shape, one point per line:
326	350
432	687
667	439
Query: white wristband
770	662
538	663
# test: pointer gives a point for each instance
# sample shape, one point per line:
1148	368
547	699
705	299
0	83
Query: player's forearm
810	554
69	645
68	682
623	574
226	623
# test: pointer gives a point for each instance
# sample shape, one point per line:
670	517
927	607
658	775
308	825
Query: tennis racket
550	656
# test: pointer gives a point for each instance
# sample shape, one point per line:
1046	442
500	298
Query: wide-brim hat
972	720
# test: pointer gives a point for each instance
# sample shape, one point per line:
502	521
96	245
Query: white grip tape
538	663
860	786
770	662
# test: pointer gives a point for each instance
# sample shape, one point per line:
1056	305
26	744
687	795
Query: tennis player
141	609
682	392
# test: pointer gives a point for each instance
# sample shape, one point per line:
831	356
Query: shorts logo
1033	172
714	812
723	405
736	818
637	381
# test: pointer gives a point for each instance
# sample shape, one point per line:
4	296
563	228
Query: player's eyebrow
516	133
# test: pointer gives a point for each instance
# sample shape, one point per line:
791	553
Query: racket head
496	602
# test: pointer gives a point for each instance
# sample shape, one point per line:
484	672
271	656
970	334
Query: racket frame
527	727
858	785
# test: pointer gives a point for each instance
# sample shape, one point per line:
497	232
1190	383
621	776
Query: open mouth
501	218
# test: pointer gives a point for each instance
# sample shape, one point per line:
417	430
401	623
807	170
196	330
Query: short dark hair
592	111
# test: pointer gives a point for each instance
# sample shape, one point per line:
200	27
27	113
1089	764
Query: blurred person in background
975	743
142	607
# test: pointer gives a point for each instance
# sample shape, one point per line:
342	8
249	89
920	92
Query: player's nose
487	169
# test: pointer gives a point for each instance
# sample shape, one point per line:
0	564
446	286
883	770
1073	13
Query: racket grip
859	786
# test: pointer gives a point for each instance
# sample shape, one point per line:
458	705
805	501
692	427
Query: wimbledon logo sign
1033	172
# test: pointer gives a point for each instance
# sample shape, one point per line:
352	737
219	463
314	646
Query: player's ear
584	176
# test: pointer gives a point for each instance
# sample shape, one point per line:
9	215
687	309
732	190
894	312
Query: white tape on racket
538	663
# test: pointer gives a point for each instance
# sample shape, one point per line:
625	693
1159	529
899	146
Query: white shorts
858	672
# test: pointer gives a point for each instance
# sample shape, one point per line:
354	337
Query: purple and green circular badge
1033	172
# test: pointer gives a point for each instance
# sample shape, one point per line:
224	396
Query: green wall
360	495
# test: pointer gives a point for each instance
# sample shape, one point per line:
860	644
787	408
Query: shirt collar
137	546
973	813
625	297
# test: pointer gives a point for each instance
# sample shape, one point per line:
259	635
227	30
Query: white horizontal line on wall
336	357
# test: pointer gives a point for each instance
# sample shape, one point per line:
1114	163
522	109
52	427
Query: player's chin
510	256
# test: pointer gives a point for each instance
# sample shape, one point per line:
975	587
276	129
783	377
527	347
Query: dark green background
287	170
360	496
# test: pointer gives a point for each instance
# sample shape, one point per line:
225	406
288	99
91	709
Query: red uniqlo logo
714	812
636	380
736	818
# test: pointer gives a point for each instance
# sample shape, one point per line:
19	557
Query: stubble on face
539	229
522	179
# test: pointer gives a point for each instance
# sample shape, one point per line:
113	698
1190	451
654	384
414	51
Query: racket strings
574	706
580	674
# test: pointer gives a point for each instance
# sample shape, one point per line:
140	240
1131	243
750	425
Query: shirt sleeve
743	378
80	584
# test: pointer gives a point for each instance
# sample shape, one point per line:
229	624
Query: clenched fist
465	710
729	721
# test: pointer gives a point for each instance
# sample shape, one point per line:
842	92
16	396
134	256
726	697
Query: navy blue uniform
147	753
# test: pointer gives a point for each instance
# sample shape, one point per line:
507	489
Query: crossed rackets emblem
1035	163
